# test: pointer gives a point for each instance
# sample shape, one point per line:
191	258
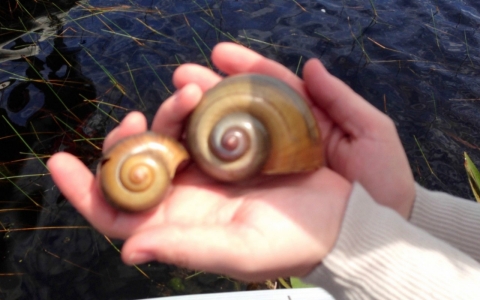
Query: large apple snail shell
250	124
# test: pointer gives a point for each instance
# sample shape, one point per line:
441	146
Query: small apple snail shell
249	124
136	173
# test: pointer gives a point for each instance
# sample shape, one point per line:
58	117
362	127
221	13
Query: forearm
380	255
452	219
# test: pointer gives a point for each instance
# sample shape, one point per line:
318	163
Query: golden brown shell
284	136
136	173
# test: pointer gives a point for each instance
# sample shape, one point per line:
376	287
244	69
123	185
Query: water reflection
22	20
34	101
43	90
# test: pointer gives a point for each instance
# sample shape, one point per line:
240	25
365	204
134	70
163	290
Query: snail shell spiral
136	173
249	124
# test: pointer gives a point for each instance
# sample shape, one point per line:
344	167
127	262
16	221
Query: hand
361	142
275	226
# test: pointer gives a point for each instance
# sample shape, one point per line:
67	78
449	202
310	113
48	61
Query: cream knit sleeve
379	255
452	219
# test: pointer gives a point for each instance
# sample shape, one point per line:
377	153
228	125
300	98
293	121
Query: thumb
233	250
133	123
218	249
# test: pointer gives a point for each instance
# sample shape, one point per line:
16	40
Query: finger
347	109
83	194
171	115
209	248
78	185
202	76
234	59
133	123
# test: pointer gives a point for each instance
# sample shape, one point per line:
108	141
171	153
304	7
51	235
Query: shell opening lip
103	161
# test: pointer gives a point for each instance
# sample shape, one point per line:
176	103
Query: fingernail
140	258
175	94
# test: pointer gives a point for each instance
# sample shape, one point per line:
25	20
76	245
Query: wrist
338	203
335	191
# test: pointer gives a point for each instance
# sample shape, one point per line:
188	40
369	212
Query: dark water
418	61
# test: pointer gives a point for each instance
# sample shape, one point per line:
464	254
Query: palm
261	203
259	224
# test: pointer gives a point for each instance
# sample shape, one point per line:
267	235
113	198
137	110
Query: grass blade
473	176
26	144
